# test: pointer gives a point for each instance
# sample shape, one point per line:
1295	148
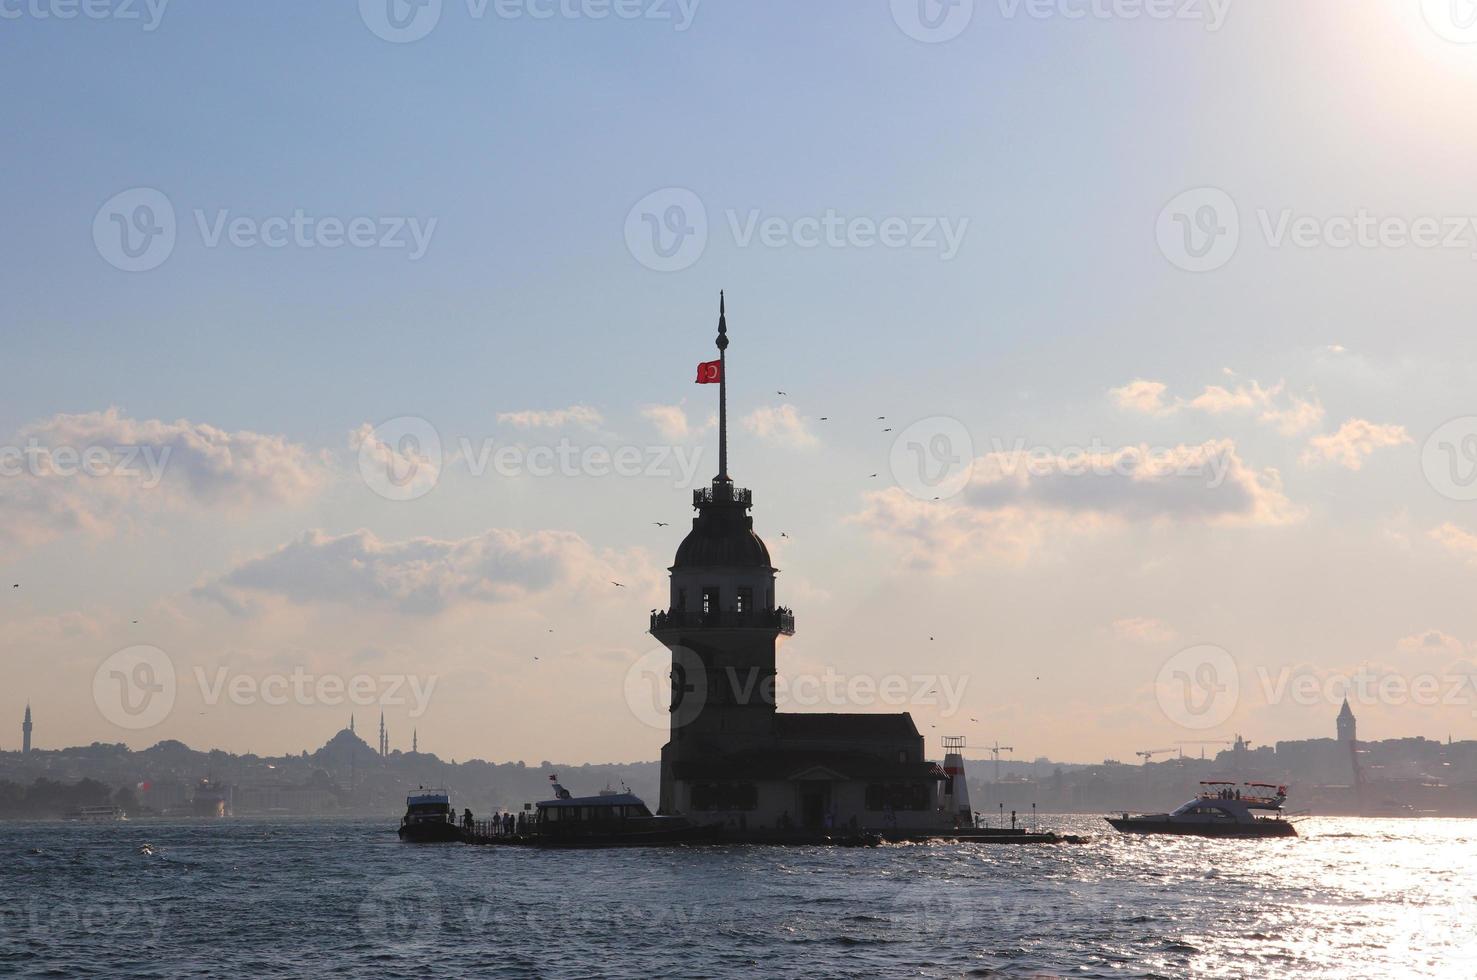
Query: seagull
661	524
618	585
887	430
783	534
874	476
882	418
785	393
825	418
930	639
16	585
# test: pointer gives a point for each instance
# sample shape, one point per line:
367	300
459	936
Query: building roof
797	762
722	534
845	726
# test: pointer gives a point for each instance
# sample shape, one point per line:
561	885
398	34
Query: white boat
1222	809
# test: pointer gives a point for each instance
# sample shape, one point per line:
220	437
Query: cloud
1353	443
1146	397
581	415
1139	629
1458	541
1014	503
781	426
1272	405
414	470
1429	642
421	575
91	471
671	422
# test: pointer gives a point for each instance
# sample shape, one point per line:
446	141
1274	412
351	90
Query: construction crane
1148	754
995	750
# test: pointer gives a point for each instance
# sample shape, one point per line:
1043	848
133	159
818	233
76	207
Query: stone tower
1346	723
26	730
721	623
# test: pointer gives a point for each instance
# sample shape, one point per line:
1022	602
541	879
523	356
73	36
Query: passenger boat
429	818
1221	809
610	819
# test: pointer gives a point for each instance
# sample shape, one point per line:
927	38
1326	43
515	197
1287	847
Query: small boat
610	819
1221	809
98	814
429	818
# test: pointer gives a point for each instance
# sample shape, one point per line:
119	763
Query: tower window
745	601
710	600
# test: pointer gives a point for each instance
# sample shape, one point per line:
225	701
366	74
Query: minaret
382	751
415	741
26	730
722	626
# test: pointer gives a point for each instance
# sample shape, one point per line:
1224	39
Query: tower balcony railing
780	619
722	493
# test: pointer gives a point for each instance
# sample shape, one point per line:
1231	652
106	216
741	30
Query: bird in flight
785	393
874	476
889	429
783	534
618	585
882	418
661	523
825	418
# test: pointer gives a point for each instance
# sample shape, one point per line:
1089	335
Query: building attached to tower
731	755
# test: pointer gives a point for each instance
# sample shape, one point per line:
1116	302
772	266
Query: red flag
710	372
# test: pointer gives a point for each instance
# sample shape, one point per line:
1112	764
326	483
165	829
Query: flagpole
722	389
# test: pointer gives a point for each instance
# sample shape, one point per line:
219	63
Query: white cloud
781	426
1015	503
1354	442
421	575
1140	629
1146	397
1457	540
671	422
89	472
581	415
1273	405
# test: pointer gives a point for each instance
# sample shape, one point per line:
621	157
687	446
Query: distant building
26	731
732	756
1346	724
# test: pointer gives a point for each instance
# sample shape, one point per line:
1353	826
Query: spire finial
722	388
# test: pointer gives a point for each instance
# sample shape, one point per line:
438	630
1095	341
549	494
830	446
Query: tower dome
722	534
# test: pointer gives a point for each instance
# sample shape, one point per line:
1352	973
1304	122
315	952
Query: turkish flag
710	372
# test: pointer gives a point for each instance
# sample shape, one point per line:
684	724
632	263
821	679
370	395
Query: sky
350	350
